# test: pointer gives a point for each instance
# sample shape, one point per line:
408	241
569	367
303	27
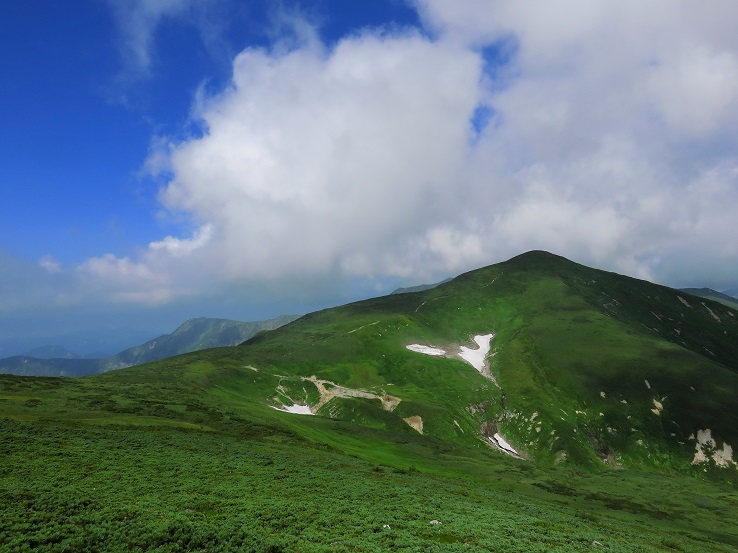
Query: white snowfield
428	350
477	357
503	445
297	409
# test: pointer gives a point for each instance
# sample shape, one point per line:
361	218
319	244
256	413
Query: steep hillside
585	366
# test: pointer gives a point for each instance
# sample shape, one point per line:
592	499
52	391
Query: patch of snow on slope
296	409
503	445
711	312
477	357
428	350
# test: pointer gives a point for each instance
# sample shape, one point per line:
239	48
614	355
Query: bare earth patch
706	448
328	393
415	422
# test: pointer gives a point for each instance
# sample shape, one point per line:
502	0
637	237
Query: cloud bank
603	131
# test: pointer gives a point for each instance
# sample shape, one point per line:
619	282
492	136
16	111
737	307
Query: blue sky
165	159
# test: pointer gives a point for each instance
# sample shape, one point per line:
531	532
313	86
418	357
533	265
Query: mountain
532	405
51	352
23	365
419	288
585	366
193	335
709	293
96	343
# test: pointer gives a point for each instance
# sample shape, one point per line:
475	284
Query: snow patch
296	409
503	445
711	312
427	350
647	384
685	302
476	357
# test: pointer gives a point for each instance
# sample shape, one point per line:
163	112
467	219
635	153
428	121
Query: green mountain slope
192	335
588	371
591	365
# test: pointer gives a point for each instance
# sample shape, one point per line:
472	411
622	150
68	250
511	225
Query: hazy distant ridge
192	335
709	293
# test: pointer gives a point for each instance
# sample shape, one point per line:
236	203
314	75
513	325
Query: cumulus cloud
611	139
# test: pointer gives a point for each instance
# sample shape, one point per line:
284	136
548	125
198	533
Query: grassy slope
183	454
565	336
137	464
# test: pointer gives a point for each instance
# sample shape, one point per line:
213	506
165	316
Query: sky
166	159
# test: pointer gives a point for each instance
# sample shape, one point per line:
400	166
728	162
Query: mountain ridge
648	323
709	293
584	366
192	335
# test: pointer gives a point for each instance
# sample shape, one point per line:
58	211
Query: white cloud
312	156
177	247
137	22
49	264
613	142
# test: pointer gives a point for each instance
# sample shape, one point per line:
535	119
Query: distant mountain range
52	352
419	288
193	335
732	292
722	297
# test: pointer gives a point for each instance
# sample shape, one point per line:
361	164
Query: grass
322	485
185	454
